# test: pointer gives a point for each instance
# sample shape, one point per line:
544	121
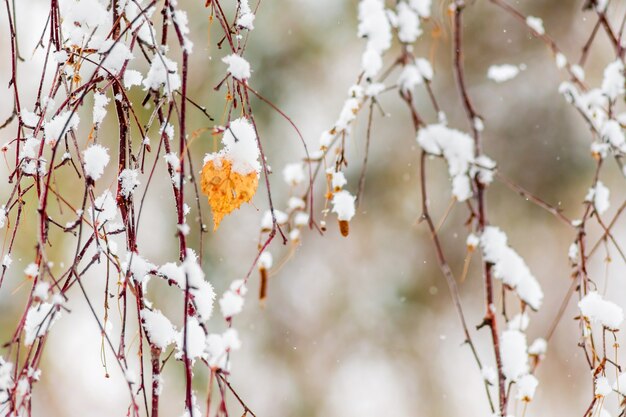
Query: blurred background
362	326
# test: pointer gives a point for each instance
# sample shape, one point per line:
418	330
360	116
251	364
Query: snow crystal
238	67
41	290
536	24
266	221
231	304
374	25
519	322
513	352
598	310
138	267
128	180
216	351
196	340
32	270
526	387
502	73
295	203
371	62
458	150
132	78
240	147
201	290
408	23
613	82
246	17
343	205
60	125
599	196
472	241
173	273
266	260
613	134
114	55
538	347
163	72
374	89
603	388
294	235
326	139
484	166
510	267
158	327
301	219
96	158
338	180
578	72
293	173
425	68
422	7
105	208
28	118
39	319
409	78
347	114
100	101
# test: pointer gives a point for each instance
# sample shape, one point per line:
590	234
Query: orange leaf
227	190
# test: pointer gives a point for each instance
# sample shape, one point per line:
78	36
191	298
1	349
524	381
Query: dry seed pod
344	227
263	285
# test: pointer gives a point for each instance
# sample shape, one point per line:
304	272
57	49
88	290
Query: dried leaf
226	189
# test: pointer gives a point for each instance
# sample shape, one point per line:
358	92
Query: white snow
510	267
100	101
60	125
105	208
502	73
598	310
132	78
29	119
246	17
338	180
458	150
408	23
538	347
422	7
39	319
240	147
238	67
513	352
266	220
613	82
163	72
96	158
526	387
128	181
343	205
294	174
201	289
231	304
266	260
599	196
158	327
536	24
603	388
376	28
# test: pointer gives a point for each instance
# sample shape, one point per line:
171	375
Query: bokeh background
362	326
